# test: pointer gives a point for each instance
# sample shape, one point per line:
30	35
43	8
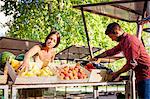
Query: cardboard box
96	75
74	80
29	80
99	75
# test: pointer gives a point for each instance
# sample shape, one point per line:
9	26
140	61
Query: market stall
16	87
130	11
74	53
15	46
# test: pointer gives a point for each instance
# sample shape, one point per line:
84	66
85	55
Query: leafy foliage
33	20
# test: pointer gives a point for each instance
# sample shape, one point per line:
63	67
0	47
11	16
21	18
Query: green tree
33	20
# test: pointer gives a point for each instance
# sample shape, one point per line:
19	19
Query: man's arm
101	55
133	53
125	68
115	50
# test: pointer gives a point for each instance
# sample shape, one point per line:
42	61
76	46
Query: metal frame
80	7
139	27
68	51
5	90
94	84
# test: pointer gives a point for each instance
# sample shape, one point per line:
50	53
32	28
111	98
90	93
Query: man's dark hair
112	27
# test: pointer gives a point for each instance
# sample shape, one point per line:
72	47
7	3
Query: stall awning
75	52
16	46
127	10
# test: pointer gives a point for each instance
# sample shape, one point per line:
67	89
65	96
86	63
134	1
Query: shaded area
75	52
128	11
15	46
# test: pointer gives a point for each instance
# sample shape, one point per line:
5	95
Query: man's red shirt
136	55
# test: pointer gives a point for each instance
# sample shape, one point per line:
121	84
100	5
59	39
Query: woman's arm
34	50
53	56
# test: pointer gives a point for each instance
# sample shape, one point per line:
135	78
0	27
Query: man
135	54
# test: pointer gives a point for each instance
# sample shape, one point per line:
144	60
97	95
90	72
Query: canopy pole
140	26
139	36
87	36
139	31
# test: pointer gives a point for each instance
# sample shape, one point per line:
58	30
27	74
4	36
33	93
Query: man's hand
97	60
93	59
114	75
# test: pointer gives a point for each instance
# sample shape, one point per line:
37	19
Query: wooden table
94	84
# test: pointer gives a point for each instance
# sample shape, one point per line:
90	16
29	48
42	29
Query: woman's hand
24	66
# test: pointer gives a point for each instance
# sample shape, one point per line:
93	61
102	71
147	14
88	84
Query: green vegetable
20	57
6	56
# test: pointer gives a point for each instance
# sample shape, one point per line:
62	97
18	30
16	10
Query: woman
42	53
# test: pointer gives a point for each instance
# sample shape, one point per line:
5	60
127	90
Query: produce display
71	72
89	67
34	69
64	72
20	57
15	64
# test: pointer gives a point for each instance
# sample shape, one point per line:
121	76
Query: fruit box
3	78
74	80
29	80
99	75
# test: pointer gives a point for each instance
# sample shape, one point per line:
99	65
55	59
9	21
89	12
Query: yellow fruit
30	74
32	65
15	64
21	74
46	72
43	73
51	73
35	69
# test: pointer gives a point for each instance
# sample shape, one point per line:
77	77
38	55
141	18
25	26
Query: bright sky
3	20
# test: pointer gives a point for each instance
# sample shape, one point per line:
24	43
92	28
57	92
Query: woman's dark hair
50	34
112	27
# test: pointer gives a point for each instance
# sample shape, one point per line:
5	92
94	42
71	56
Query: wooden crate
3	78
